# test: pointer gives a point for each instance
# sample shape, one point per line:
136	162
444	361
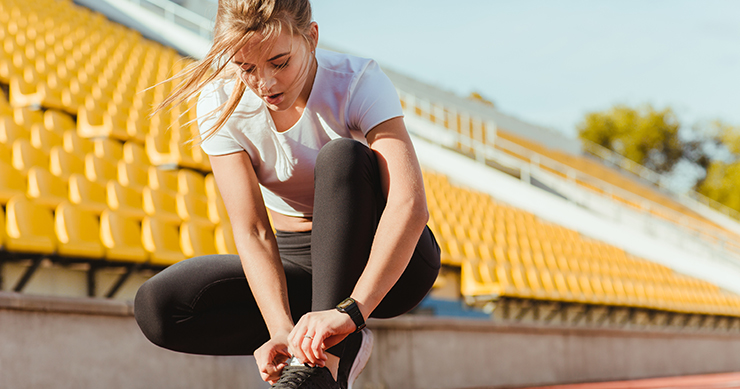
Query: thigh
204	305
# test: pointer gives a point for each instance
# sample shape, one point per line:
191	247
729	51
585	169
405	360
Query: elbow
419	211
413	209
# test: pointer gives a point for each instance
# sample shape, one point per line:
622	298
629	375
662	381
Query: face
280	77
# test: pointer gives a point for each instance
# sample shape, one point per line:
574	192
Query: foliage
722	181
646	135
656	140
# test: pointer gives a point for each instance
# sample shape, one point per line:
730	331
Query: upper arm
400	172
242	197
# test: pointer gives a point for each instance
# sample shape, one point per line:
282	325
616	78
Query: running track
709	381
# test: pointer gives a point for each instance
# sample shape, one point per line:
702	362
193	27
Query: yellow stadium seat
167	149
137	126
161	204
6	154
124	200
2	228
12	182
27	117
191	183
95	123
134	153
109	149
89	195
225	243
23	93
162	240
121	237
46	189
472	284
10	131
63	164
43	139
58	121
162	179
26	156
73	143
133	175
78	232
197	239
29	227
217	211
194	209
100	169
211	187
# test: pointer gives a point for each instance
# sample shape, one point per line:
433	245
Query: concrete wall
93	343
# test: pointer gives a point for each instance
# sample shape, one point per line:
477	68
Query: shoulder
342	64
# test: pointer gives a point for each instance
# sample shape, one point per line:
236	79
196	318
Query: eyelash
250	69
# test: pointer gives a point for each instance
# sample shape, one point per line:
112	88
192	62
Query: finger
306	348
317	349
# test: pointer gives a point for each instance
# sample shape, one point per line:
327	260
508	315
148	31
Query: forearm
266	277
395	239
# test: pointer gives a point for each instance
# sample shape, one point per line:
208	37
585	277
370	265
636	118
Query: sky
551	62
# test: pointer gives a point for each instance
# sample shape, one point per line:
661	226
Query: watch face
345	304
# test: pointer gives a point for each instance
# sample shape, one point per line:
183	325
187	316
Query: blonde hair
237	22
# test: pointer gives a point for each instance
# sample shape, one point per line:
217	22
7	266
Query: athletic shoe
357	350
299	376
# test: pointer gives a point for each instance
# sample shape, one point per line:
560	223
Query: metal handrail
653	177
176	13
536	162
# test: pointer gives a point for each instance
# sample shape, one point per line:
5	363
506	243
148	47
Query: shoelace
295	376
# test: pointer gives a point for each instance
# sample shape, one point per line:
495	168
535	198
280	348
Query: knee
344	156
150	307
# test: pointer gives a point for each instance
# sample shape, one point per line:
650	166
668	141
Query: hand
272	357
325	329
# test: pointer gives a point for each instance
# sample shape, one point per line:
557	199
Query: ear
313	33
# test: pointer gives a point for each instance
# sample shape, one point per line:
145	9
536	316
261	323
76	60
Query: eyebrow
269	60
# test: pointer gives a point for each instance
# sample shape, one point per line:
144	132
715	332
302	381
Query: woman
318	138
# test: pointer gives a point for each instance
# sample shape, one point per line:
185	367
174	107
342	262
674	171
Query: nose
267	80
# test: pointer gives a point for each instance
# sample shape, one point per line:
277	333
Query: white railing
478	139
179	15
654	177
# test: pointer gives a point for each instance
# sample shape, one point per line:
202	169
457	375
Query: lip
275	99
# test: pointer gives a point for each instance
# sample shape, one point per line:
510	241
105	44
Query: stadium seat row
76	232
514	254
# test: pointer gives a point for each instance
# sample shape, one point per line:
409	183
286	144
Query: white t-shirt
350	96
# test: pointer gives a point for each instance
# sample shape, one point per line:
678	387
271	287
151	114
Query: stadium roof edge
151	26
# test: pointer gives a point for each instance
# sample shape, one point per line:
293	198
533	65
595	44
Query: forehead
258	49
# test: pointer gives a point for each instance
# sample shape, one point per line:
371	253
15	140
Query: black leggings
204	305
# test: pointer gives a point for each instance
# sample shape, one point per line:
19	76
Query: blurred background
580	161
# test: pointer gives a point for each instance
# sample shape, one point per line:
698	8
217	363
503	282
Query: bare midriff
290	223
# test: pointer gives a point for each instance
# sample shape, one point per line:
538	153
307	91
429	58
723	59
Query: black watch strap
349	306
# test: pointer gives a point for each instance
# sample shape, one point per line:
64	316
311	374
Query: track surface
709	381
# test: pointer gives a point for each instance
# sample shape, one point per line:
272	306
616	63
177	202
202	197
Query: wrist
351	307
281	332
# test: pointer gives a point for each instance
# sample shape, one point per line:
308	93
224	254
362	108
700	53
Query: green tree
645	135
722	180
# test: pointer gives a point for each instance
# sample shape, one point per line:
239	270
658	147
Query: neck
308	86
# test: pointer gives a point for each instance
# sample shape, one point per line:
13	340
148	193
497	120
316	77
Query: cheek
249	81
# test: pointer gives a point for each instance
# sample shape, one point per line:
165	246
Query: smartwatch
349	306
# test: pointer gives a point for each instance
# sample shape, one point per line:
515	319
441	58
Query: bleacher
87	177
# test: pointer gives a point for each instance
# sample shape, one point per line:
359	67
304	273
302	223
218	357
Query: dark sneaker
296	375
357	350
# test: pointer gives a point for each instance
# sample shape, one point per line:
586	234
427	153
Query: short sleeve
212	96
373	100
